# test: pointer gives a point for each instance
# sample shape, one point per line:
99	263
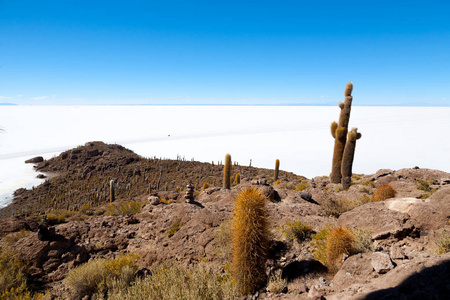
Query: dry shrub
340	241
15	236
363	240
21	293
250	240
124	208
424	185
58	216
13	273
336	207
172	281
222	239
296	230
319	243
205	186
101	275
276	283
174	229
443	242
302	186
383	192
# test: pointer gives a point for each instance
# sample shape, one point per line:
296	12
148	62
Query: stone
381	262
34	160
153	200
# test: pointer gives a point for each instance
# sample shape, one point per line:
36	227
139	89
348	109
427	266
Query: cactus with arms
339	133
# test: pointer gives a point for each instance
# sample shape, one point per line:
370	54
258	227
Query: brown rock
381	262
34	160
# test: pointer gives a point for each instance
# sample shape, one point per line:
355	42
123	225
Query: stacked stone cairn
189	193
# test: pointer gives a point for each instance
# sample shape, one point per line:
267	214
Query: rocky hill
398	258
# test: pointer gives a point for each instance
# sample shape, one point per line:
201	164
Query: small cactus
339	133
237	178
383	192
277	169
227	172
340	241
347	159
250	240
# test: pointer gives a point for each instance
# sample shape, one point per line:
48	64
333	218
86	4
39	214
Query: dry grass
276	283
59	216
172	281
443	242
340	241
363	241
296	230
174	229
13	273
336	207
125	208
15	236
101	275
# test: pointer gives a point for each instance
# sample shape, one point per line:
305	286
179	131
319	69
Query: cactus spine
339	133
111	191
347	159
227	172
250	240
277	169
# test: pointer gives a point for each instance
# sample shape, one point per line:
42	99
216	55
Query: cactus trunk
347	159
227	172
277	169
111	191
339	133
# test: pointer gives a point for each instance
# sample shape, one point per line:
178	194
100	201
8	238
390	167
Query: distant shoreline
222	104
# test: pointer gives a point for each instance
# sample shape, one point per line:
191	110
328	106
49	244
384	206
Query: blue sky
224	52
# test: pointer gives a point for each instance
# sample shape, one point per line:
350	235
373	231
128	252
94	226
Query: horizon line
222	104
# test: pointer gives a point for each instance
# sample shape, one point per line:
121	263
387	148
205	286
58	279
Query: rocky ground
403	261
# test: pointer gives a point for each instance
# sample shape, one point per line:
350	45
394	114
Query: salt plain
392	137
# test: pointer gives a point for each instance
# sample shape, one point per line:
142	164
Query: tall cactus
347	159
277	169
339	133
111	191
227	172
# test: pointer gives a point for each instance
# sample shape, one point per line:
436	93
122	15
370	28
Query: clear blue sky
224	52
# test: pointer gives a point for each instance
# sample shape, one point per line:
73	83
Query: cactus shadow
298	269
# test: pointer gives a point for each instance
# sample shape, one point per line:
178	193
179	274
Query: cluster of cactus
344	148
250	240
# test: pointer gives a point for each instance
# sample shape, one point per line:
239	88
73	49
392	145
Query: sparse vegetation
59	216
383	192
276	283
173	281
363	241
13	274
296	230
303	185
336	207
101	275
443	242
174	229
319	243
425	185
15	236
124	208
222	237
205	186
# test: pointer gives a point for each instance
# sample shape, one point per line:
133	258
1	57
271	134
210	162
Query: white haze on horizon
392	137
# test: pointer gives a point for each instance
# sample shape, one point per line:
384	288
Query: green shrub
175	227
296	230
172	281
124	208
250	240
424	185
101	275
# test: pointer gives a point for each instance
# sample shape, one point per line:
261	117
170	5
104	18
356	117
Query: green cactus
227	172
277	169
339	133
347	159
